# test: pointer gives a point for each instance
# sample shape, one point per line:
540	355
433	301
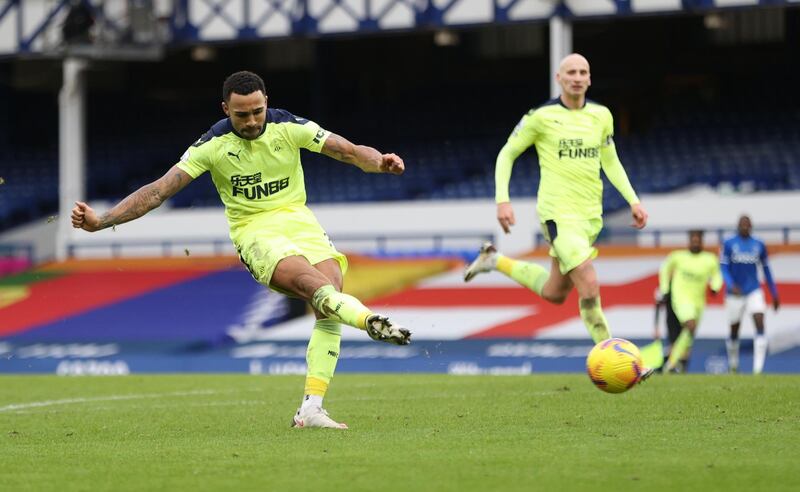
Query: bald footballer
574	140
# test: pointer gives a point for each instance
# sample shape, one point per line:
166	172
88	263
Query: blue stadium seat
453	159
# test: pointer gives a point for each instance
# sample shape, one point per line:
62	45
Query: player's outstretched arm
135	205
365	158
609	161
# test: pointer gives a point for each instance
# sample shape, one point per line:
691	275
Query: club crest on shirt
743	256
277	144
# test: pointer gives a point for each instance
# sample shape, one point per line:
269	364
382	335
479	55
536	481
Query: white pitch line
67	401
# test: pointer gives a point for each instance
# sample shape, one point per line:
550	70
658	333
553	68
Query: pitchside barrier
15	257
462	357
206	314
676	236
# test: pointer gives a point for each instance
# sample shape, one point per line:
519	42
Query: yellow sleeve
198	158
523	136
609	161
716	274
665	273
305	134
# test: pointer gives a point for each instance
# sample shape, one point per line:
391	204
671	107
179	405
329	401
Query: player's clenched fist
83	217
639	216
392	164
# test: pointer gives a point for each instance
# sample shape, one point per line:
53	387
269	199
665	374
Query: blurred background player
276	235
684	275
739	259
663	302
574	140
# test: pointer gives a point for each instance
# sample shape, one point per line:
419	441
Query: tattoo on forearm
134	206
337	154
366	158
177	182
336	148
145	199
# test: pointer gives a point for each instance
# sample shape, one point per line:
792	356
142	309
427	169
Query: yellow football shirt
572	145
260	175
685	275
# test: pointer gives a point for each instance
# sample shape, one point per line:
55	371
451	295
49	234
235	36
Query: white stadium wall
704	208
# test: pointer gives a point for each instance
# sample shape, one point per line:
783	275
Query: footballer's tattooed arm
135	205
365	158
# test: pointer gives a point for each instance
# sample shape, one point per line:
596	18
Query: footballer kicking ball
614	365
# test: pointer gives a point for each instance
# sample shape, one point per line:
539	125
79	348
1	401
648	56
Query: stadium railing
668	236
463	244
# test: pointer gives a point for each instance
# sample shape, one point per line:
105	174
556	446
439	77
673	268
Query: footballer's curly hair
243	83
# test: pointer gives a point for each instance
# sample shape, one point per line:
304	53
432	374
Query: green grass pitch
407	433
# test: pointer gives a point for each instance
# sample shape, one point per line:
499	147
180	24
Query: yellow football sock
594	319
322	355
679	350
341	307
527	274
315	386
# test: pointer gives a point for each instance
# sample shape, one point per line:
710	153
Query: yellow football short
275	235
686	310
571	241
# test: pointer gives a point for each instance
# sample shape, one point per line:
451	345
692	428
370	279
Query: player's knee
584	278
587	288
590	290
305	284
555	297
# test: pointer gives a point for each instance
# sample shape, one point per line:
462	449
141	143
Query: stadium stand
446	118
751	150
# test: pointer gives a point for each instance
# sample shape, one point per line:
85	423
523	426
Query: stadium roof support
560	46
71	147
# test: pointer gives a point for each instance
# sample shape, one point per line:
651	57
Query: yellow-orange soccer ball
614	365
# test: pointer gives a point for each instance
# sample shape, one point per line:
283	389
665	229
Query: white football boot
381	329
315	416
645	375
485	262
